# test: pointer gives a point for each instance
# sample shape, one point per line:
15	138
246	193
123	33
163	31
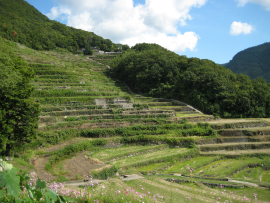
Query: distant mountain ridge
254	62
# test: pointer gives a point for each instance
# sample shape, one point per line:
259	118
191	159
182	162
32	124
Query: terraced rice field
90	123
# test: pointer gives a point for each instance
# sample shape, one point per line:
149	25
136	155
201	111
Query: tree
18	113
88	50
125	47
104	47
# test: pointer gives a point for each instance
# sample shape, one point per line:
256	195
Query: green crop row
180	129
240	125
50	119
55	137
54	72
69	93
55	76
67	84
40	80
181	142
64	125
46	66
67	100
53	108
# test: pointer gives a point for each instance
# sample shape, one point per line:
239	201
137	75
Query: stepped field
91	124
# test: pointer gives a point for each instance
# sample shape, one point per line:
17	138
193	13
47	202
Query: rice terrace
93	126
103	133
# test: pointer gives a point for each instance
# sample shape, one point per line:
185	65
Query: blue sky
207	29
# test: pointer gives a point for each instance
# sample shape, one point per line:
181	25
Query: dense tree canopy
18	113
254	62
155	71
36	31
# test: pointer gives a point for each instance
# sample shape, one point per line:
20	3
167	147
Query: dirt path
82	183
131	177
39	164
244	183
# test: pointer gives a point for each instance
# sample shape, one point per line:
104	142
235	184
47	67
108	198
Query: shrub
105	173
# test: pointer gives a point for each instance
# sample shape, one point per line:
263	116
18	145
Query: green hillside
21	22
254	62
213	89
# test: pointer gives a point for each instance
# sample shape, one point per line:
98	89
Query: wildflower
188	198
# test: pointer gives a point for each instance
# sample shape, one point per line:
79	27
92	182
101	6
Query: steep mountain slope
254	62
23	23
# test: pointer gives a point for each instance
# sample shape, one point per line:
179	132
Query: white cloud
263	3
178	43
238	28
58	12
119	20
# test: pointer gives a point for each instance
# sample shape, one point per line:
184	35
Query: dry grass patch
239	152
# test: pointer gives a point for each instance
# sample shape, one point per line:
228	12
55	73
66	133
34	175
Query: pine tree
18	113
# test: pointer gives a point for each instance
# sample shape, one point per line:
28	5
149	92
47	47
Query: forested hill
21	22
153	70
254	62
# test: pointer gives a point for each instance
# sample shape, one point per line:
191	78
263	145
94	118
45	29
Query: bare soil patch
81	165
